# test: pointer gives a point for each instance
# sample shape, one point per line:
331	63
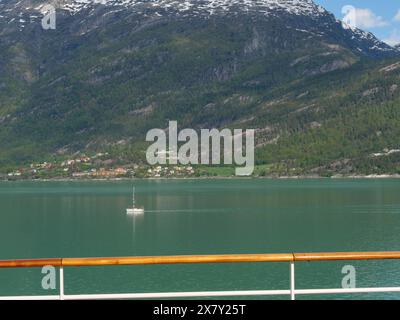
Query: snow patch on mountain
297	7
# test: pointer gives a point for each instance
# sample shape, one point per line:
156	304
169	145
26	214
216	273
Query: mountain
21	13
111	71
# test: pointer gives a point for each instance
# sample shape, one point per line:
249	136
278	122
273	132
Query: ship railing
290	258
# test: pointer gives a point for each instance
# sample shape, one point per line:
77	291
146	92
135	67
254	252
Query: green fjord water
88	219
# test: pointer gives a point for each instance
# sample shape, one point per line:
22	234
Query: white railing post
61	283
292	281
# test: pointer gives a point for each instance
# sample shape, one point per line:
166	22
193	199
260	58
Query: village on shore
95	167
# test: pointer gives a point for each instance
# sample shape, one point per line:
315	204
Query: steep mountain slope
347	122
112	71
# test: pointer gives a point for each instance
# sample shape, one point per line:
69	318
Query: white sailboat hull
135	211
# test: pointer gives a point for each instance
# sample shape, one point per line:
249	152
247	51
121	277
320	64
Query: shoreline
305	177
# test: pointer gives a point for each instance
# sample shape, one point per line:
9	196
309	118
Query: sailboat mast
133	197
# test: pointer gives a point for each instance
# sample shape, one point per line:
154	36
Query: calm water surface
88	219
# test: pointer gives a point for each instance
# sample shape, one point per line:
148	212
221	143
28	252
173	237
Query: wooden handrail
29	263
233	258
332	256
230	258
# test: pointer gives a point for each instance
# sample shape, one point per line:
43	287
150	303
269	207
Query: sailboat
134	210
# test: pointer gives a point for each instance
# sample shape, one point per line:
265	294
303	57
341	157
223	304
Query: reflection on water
77	219
136	221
